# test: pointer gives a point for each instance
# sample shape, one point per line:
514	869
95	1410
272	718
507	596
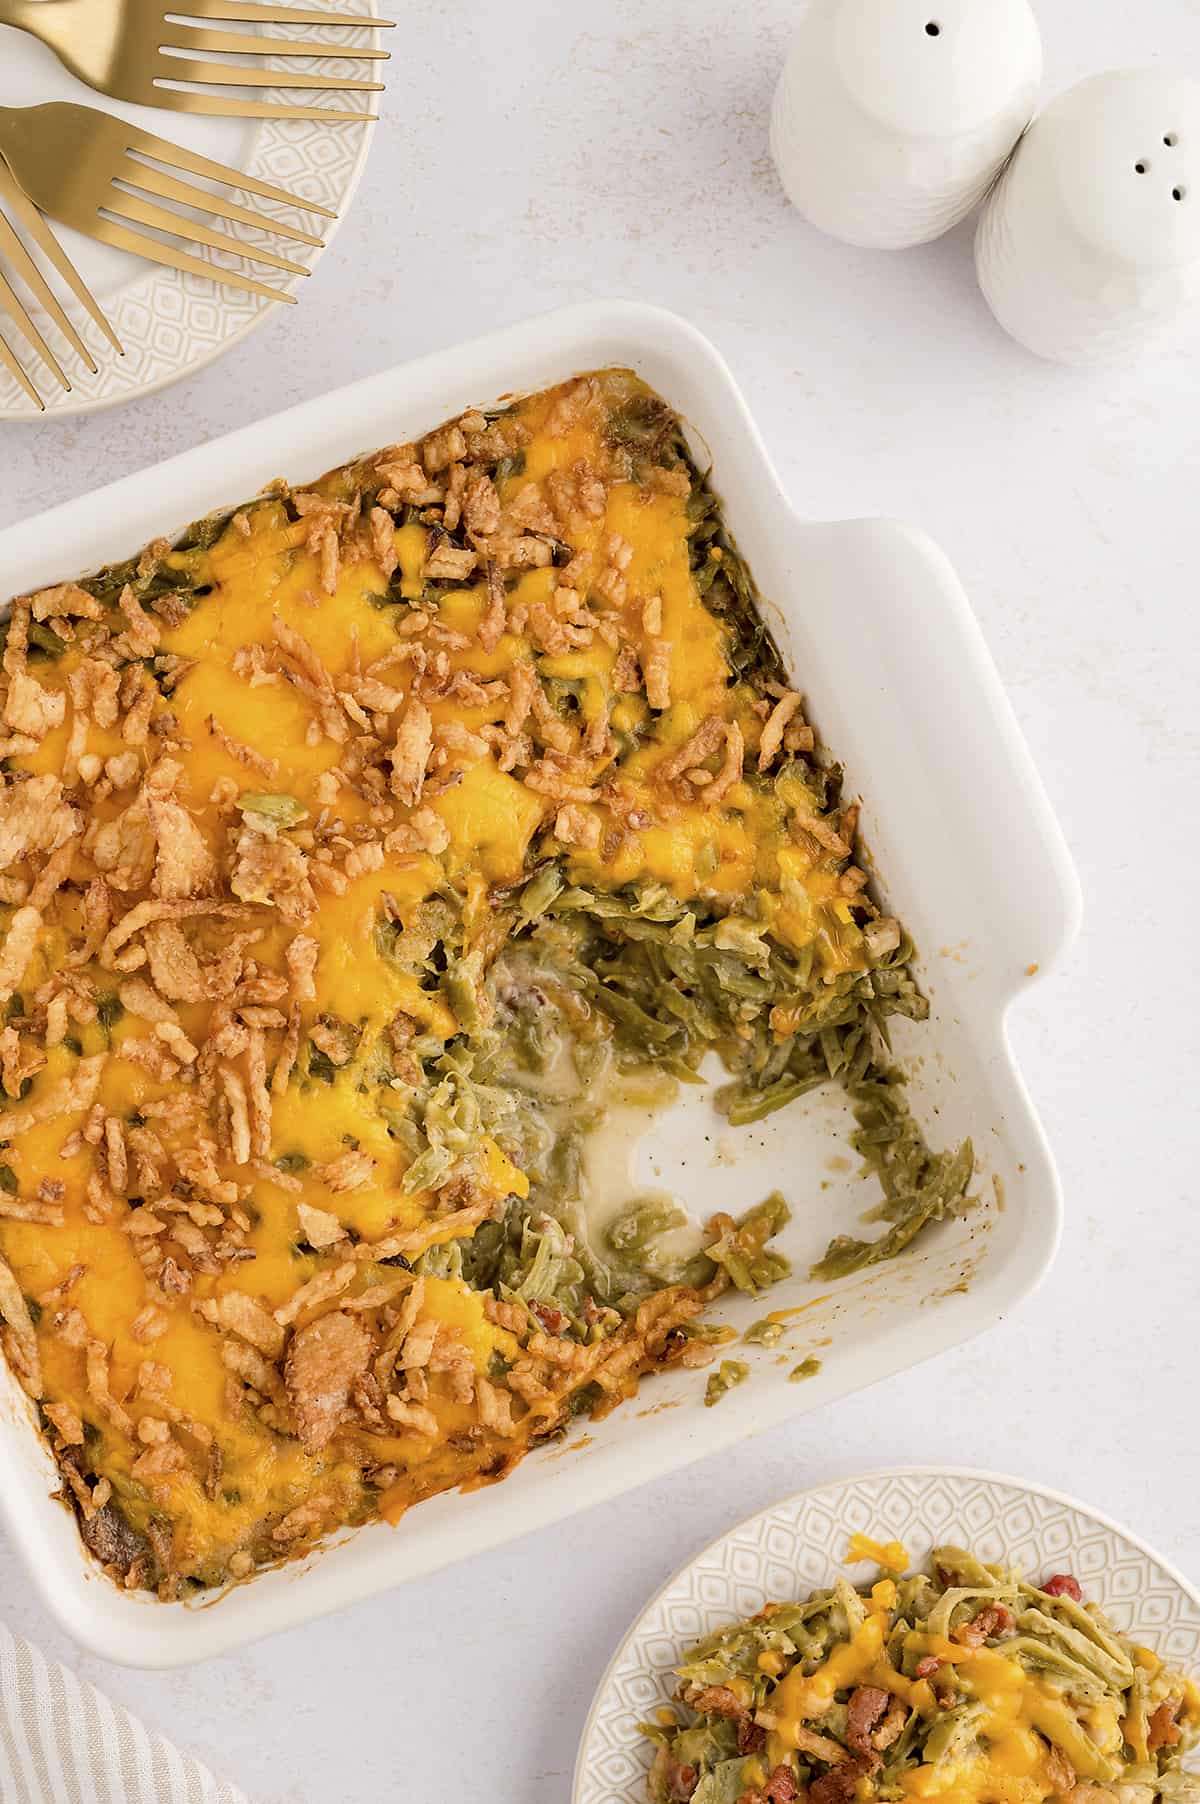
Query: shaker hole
1141	168
933	29
1178	193
1171	140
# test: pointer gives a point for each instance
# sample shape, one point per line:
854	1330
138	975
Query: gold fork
12	248
83	167
136	50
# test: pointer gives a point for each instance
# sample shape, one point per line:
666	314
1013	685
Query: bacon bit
867	1705
238	1313
782	1786
840	1784
991	1622
324	1361
1063	1585
1162	1731
715	1700
927	1666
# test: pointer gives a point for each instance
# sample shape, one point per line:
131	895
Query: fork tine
249	11
145	144
228	43
155	181
161	219
38	286
193	100
11	303
229	75
40	232
110	231
9	360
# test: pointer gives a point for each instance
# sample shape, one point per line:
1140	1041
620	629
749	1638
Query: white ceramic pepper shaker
1090	244
890	121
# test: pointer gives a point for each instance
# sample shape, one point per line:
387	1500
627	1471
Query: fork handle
20	13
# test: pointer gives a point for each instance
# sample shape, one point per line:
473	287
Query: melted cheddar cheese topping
320	746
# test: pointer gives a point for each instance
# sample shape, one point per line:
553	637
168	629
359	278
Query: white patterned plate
170	323
798	1546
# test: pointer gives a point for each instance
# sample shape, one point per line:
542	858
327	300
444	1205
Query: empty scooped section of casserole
354	854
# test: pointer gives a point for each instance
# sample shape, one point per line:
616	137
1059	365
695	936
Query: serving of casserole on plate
1058	1659
380	857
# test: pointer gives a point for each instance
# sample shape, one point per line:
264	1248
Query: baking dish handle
945	730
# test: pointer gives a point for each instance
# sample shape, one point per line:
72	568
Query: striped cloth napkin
64	1742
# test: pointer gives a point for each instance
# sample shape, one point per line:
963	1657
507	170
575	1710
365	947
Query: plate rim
876	1475
70	408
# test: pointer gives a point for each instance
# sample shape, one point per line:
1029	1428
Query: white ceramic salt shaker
890	121
1090	244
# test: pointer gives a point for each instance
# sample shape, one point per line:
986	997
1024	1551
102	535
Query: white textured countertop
545	152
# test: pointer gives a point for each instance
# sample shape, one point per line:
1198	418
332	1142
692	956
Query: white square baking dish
899	682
